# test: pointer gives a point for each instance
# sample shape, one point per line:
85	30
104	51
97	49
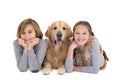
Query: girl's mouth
28	41
80	40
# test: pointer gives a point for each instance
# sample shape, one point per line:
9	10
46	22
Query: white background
103	15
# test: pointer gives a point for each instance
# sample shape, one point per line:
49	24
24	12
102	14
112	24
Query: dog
59	36
82	55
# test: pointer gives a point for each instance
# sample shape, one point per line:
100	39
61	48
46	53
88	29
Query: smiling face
28	34
81	35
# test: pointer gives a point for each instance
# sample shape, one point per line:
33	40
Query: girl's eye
29	31
77	33
23	32
55	28
64	28
84	33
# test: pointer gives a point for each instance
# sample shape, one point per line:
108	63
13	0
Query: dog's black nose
59	35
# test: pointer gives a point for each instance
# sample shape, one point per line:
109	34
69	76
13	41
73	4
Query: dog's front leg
47	69
61	70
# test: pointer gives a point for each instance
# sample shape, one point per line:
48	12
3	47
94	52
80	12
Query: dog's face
59	32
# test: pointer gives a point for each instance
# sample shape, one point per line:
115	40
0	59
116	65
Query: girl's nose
27	35
80	36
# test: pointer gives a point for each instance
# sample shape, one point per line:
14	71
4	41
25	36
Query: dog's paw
46	71
61	71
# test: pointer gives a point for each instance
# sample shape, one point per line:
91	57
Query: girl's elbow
68	71
21	69
96	71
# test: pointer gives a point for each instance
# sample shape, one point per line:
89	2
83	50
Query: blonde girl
88	46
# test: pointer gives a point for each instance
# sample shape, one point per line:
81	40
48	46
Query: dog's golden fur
82	56
56	53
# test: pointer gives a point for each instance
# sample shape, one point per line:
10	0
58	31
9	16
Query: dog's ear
69	32
47	33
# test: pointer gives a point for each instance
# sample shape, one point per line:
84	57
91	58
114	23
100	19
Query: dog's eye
64	28
55	28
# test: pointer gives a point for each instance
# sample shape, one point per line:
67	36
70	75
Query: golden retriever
59	36
82	56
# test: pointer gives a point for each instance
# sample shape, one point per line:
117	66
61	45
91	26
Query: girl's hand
71	50
73	45
36	41
75	68
22	43
33	43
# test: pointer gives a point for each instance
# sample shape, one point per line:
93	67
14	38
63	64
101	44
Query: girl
88	47
30	48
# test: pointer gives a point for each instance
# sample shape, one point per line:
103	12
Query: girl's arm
36	56
69	60
95	59
21	56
